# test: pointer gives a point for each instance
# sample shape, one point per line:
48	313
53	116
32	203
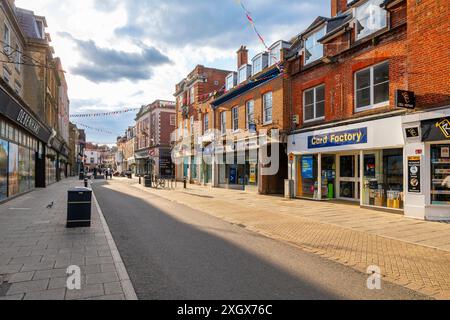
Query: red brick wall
165	127
338	77
429	51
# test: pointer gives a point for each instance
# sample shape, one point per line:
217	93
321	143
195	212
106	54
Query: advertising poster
3	169
414	175
13	169
252	178
307	167
233	175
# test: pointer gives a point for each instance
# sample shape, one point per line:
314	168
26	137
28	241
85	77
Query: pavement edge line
127	285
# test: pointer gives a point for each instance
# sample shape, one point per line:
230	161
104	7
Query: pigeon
50	206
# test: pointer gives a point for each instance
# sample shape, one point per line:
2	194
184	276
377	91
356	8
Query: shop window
372	87
383	178
440	174
3	169
13	170
370	17
314	102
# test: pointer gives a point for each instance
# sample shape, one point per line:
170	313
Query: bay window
370	18
314	103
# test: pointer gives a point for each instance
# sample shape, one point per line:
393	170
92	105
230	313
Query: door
349	177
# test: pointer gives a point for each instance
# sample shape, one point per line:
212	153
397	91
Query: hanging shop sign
328	140
413	132
307	167
436	130
405	99
414	175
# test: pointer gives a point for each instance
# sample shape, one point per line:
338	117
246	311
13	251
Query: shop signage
414	175
291	158
412	132
28	122
252	178
307	167
436	130
233	175
350	137
405	99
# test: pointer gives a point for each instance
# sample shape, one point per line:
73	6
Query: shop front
361	162
238	165
427	164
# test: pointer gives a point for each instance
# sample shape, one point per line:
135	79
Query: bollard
85	182
140	180
185	183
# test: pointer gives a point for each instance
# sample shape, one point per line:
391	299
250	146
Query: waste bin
79	208
148	181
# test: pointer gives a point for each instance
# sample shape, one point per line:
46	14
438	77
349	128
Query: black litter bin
79	208
148	181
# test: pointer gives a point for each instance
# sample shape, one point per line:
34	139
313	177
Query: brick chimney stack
338	6
242	56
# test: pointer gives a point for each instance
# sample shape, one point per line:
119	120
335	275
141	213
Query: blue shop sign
344	138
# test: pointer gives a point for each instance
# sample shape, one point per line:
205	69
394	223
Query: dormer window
231	81
314	49
260	62
275	55
370	17
40	29
245	72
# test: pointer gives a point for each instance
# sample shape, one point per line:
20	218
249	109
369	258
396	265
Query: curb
127	285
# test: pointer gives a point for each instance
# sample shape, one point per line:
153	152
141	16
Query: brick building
252	106
191	94
350	73
154	125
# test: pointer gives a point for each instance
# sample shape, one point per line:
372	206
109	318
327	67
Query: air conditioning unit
296	119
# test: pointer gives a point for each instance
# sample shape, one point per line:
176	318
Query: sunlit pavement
413	254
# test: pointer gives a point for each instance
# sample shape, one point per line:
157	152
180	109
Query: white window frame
256	62
247	114
315	36
315	102
206	122
266	122
18	58
357	18
275	58
223	122
235	118
173	119
227	80
191	95
6	39
372	89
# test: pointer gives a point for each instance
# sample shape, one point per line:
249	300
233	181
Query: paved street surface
36	249
172	251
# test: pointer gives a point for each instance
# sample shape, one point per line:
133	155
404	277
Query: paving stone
109	267
29	286
38	266
52	273
55	294
21	277
15	297
113	288
99	260
115	297
102	278
10	268
26	260
89	291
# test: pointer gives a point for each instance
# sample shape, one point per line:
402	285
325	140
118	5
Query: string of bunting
101	130
103	114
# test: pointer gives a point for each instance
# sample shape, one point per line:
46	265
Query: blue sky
126	53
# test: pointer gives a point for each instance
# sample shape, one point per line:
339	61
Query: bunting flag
252	23
95	129
103	114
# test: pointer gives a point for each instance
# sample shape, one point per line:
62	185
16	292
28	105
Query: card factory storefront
360	162
427	164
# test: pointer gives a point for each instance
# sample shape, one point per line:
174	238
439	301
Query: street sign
291	158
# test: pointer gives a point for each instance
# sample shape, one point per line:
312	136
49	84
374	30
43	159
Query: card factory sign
328	140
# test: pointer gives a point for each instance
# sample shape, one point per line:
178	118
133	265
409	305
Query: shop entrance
348	180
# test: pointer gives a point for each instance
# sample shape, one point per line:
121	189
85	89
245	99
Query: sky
121	54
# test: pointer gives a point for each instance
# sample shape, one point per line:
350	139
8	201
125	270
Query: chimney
338	6
242	56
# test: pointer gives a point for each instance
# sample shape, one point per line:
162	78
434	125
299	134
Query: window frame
313	34
6	44
259	58
315	102
235	118
223	122
206	122
230	76
265	121
355	14
247	114
192	95
372	88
